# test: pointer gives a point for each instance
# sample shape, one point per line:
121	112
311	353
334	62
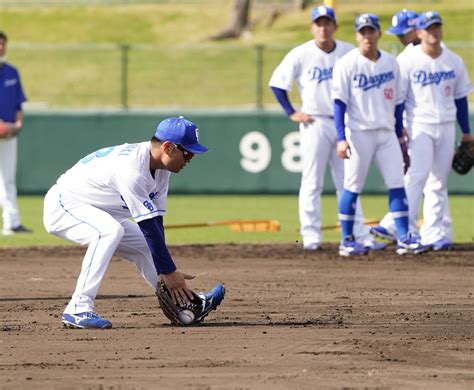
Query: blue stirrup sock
398	205
347	209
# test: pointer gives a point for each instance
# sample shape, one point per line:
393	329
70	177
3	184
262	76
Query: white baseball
186	316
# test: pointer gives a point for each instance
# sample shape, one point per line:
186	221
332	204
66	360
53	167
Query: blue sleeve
282	97
21	98
399	119
339	112
462	114
154	233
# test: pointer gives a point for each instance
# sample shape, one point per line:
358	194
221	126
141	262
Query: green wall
250	151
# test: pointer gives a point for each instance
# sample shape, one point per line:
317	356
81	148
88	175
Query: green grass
180	68
202	208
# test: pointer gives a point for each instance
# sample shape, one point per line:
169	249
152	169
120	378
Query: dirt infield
290	320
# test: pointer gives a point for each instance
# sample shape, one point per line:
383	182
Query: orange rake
255	225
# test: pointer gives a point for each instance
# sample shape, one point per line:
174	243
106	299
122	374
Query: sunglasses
186	154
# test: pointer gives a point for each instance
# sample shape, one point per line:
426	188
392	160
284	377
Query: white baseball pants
431	152
318	142
104	235
8	193
380	145
434	201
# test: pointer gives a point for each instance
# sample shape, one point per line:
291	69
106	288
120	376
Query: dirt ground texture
290	319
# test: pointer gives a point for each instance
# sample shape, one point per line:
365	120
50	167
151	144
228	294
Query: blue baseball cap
182	132
322	11
366	20
403	22
426	19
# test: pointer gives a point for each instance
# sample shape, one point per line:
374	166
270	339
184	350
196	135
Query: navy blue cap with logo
403	22
181	132
323	11
427	19
366	20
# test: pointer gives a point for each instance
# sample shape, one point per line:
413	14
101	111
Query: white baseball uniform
434	200
312	70
431	87
91	205
371	90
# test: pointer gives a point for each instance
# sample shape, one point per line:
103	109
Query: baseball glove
406	157
179	315
464	157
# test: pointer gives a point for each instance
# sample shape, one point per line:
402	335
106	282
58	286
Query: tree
239	22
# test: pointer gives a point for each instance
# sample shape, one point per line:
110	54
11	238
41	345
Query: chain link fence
152	76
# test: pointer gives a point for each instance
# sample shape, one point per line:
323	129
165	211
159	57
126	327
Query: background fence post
259	77
124	49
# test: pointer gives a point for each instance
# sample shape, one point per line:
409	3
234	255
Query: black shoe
18	230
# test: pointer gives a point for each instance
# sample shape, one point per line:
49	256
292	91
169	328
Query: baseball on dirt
186	316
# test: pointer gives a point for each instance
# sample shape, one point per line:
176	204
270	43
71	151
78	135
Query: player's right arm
296	116
340	95
281	83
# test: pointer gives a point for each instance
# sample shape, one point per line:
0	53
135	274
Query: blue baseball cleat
350	247
381	232
442	245
376	246
411	245
210	301
86	320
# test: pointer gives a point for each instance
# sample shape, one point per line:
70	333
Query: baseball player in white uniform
436	84
311	65
404	27
91	204
367	85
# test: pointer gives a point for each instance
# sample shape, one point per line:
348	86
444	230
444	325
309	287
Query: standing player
311	65
404	27
11	122
366	84
437	85
91	205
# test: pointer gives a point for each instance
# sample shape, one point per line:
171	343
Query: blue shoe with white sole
411	245
86	320
376	246
210	301
442	245
350	247
380	232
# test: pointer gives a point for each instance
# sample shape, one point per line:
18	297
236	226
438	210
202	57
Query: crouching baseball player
366	84
91	205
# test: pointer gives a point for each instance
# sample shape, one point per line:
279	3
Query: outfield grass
175	69
202	208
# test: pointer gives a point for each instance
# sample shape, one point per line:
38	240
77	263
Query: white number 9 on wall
256	152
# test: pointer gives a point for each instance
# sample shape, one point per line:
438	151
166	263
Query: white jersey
117	179
432	84
371	90
312	69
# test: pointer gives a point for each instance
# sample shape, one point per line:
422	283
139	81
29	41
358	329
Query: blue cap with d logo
182	132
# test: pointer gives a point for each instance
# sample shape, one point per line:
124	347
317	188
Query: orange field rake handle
236	225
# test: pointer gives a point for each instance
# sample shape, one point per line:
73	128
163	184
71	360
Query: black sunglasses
186	154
